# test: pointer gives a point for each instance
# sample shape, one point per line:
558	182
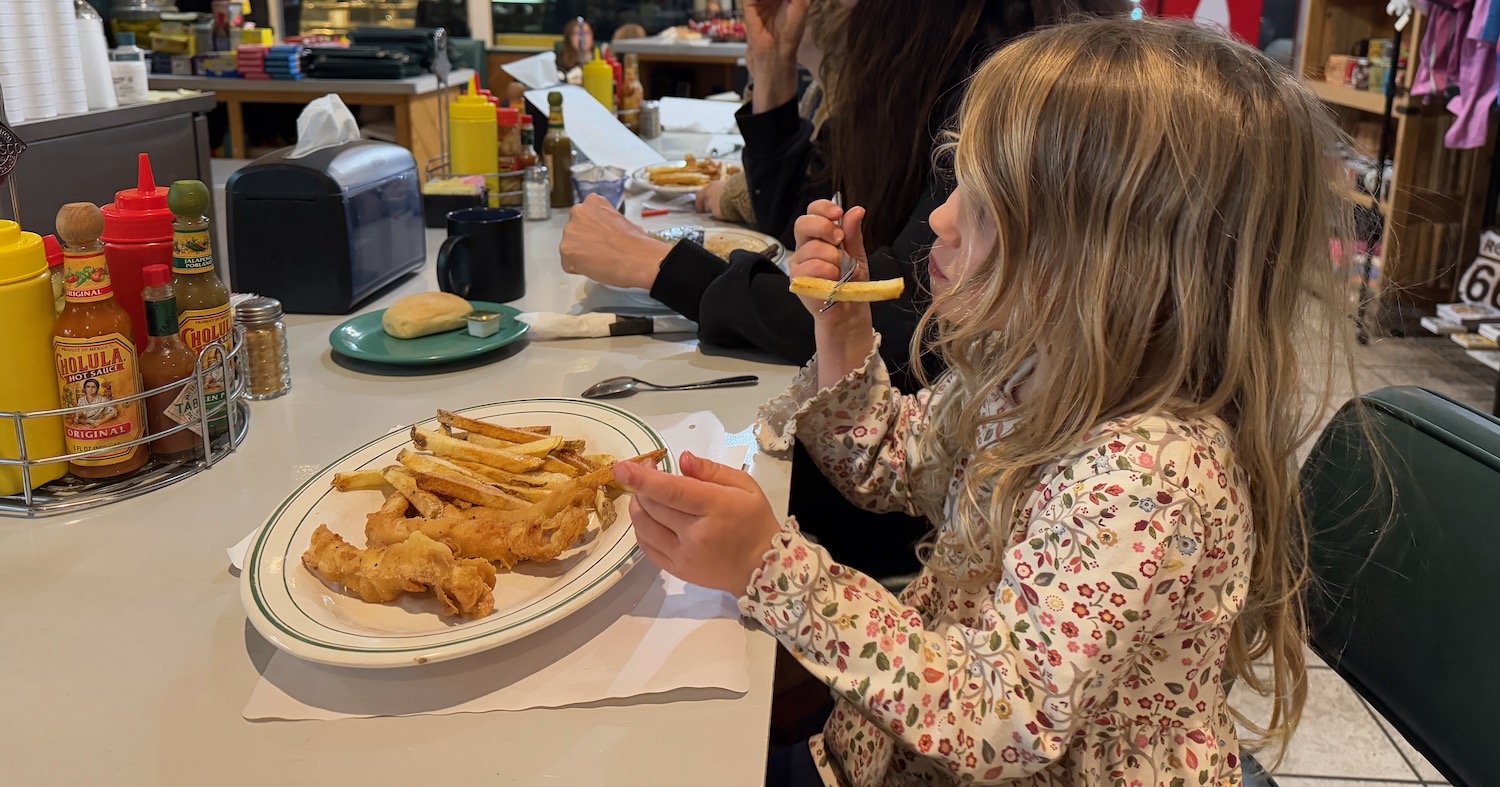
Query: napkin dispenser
324	232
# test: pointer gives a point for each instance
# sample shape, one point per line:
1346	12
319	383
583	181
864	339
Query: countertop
682	50
417	85
65	125
126	658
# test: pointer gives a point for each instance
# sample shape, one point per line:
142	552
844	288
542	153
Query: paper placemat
650	634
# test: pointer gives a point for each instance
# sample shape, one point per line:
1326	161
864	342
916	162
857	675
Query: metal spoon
628	386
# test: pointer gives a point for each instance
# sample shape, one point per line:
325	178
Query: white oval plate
642	178
308	618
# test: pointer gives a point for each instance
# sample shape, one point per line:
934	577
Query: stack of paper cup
33	36
67	60
12	64
98	82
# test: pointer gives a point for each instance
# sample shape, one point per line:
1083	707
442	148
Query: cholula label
199	328
95	373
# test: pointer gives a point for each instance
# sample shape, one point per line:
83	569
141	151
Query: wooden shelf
1345	96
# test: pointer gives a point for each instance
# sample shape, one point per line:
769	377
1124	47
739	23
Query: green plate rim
510	313
252	567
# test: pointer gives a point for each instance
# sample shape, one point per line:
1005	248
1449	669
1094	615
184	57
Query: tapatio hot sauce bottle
95	348
202	297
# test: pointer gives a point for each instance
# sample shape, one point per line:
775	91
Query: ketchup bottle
137	233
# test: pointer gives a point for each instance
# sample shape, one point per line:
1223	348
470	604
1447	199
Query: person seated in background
577	48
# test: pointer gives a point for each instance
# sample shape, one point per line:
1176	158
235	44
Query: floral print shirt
1093	658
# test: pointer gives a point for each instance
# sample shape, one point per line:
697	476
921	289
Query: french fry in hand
853	291
362	479
453	448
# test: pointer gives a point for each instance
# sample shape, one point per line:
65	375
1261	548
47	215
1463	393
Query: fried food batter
416	564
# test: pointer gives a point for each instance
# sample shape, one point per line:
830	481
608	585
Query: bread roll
425	314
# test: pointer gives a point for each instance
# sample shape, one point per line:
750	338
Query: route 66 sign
1481	282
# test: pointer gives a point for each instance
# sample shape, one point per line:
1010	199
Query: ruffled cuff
803	402
780	590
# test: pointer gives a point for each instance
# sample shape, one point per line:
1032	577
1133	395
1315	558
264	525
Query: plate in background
364	338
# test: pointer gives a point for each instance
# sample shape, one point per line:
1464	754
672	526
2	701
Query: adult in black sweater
904	66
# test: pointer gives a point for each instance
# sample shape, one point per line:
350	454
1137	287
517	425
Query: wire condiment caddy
71	495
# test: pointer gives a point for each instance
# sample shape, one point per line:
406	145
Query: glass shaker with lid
268	365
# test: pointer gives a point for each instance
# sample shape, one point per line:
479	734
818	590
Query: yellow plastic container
599	81
30	381
474	133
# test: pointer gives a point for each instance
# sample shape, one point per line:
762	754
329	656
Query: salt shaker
650	121
265	348
538	196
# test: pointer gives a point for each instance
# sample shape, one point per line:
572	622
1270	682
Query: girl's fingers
810	228
688	495
670	518
816	252
659	559
826	209
854	240
648	530
817	269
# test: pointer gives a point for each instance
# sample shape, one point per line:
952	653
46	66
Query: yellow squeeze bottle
599	81
474	134
30	380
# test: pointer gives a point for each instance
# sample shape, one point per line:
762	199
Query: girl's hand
845	334
818	254
773	33
710	526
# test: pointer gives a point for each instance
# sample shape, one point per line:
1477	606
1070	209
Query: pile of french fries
467	463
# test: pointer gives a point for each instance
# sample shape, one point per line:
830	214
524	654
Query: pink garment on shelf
1438	53
1477	81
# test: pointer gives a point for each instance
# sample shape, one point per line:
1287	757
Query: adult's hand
773	33
600	243
710	526
710	199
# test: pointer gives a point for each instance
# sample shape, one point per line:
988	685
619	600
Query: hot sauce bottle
202	297
167	360
94	344
557	149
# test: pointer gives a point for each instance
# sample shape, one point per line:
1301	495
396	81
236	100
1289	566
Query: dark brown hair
912	60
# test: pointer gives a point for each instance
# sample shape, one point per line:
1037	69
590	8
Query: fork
847	265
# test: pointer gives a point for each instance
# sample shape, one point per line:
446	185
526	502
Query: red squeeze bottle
137	233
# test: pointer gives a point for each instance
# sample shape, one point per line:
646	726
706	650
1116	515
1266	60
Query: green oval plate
364	339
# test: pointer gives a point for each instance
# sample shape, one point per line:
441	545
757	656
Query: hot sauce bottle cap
79	224
139	215
188	198
156	275
506	116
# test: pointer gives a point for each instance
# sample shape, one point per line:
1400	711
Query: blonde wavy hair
1165	207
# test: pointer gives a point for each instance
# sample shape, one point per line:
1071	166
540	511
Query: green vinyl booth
1404	566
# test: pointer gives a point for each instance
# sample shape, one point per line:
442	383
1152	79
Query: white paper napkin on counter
698	115
650	634
537	71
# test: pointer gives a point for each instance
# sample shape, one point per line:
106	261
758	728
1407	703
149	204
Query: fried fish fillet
465	586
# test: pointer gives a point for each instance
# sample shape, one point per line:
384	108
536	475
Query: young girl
1142	210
